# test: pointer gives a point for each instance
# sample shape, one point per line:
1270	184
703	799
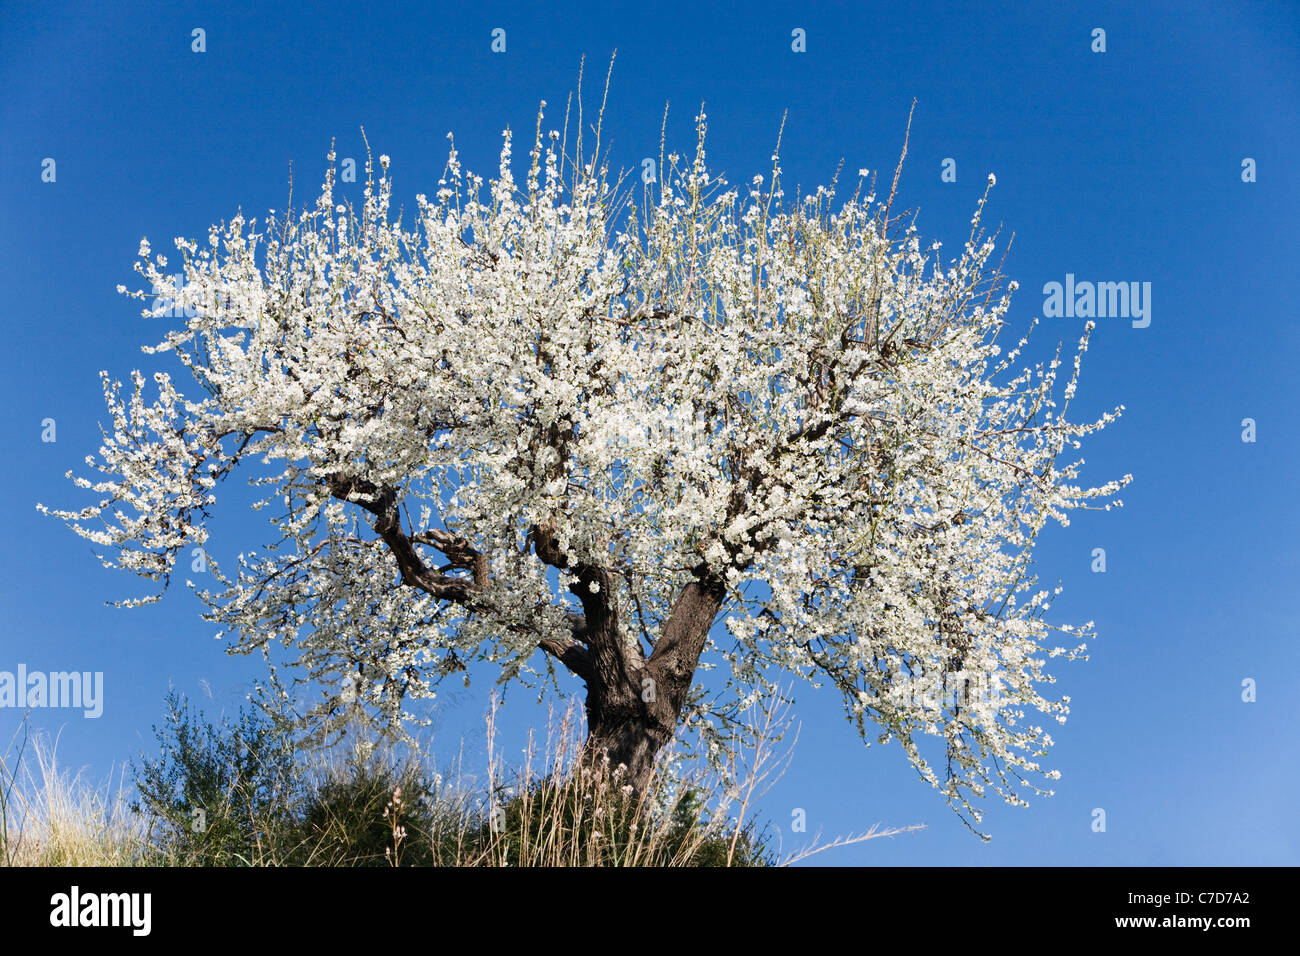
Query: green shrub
245	793
368	813
218	795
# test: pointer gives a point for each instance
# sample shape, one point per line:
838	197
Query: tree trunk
633	701
634	705
632	740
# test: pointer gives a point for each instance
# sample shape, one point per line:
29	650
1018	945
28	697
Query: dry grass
51	817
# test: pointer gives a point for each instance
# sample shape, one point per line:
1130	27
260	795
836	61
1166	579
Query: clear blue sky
1116	166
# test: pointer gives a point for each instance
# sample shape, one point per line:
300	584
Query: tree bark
634	706
623	740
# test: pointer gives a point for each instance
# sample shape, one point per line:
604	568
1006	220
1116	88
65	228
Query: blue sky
1117	166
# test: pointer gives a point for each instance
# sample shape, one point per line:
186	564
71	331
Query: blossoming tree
567	425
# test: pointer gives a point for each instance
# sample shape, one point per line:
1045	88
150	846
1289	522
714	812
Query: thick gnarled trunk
630	742
634	703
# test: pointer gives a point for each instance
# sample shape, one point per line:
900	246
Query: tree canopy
625	430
